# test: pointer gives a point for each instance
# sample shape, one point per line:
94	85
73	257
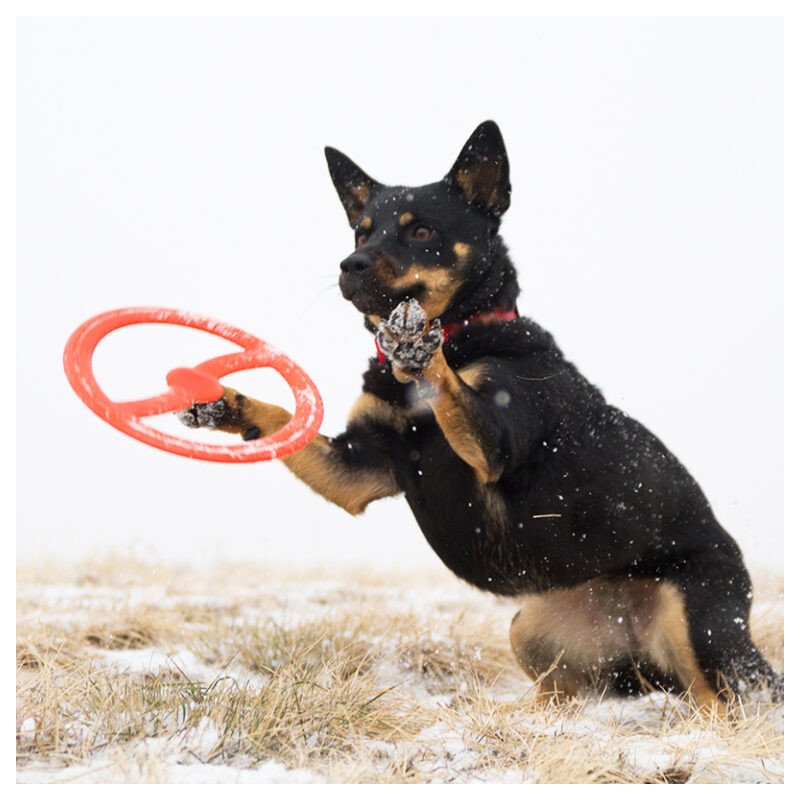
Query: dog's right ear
481	170
354	186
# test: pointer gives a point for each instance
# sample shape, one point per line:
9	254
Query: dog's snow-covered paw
407	340
206	415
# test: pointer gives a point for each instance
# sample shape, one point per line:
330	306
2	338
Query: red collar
498	315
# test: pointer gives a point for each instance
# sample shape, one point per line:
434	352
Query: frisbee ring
190	385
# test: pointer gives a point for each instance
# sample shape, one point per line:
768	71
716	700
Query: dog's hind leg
584	637
715	598
556	666
624	635
666	640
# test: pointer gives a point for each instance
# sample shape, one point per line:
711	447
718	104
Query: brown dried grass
378	679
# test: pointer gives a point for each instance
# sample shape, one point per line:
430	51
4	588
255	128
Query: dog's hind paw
407	340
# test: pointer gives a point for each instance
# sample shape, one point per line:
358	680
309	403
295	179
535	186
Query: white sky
178	162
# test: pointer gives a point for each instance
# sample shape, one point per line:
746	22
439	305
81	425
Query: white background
178	162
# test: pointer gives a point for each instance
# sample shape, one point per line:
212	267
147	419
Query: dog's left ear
481	170
353	185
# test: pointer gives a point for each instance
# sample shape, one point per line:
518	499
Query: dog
524	481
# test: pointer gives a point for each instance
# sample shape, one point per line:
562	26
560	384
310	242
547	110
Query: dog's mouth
376	300
364	303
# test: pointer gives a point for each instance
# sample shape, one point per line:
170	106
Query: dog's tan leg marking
558	674
453	415
368	406
318	465
371	407
459	411
561	637
669	644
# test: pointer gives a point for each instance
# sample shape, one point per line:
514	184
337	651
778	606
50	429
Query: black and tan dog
523	479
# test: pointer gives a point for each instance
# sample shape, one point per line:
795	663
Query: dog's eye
361	239
422	233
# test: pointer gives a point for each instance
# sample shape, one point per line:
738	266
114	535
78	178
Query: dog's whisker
543	378
323	293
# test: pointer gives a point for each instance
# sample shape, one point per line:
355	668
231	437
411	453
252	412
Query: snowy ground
135	673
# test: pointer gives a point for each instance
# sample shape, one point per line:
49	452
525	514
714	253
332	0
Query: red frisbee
189	385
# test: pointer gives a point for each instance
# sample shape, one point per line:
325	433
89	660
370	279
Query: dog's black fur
522	478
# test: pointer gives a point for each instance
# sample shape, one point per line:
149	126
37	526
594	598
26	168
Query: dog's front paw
208	415
407	340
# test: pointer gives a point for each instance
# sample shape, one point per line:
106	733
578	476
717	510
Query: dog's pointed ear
481	170
353	185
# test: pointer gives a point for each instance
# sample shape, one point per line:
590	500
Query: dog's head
423	242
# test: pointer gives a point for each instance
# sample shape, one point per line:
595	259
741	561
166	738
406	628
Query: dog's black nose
356	264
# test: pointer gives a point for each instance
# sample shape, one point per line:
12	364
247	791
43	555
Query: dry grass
129	672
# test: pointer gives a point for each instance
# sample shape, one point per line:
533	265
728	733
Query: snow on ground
642	736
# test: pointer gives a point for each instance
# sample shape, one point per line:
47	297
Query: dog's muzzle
357	271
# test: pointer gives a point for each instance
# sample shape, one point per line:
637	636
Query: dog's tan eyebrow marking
461	249
405	218
366	223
